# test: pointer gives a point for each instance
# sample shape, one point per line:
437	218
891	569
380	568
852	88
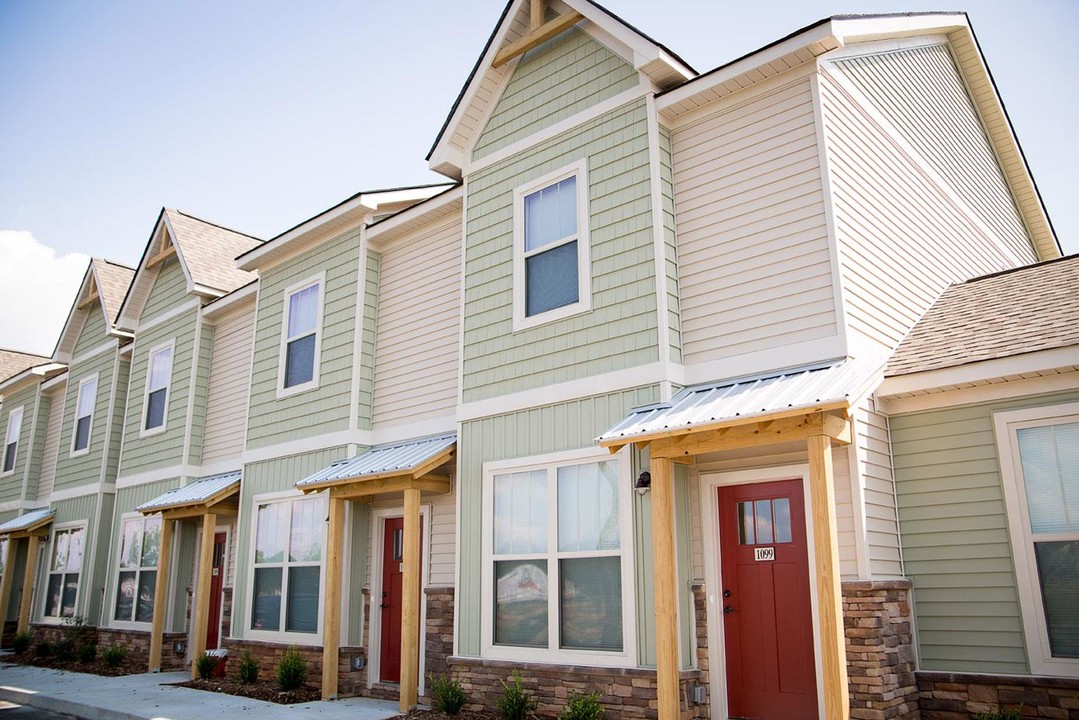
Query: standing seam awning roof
400	457
194	493
27	521
806	387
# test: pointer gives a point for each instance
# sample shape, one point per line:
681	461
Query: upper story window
84	414
64	570
11	439
552	271
288	565
158	378
301	336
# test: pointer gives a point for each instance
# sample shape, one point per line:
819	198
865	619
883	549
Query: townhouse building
672	393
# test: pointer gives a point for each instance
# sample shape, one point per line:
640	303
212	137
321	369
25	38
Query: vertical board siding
956	547
753	246
168	291
620	331
356	577
523	434
326	408
84	510
565	75
51	446
102	548
670	246
94	331
162	449
419	317
260	478
875	464
901	239
11	486
922	94
365	411
85	469
228	387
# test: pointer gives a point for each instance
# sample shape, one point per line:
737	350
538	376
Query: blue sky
259	114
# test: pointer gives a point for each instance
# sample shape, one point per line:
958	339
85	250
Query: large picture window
65	566
1040	455
288	565
140	547
301	336
551	248
556	559
84	415
11	439
158	377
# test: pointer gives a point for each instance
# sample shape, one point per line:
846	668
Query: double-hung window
158	377
555	574
288	565
552	274
1040	459
140	547
84	414
11	439
301	336
64	569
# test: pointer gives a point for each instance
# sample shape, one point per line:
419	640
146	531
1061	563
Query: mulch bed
267	690
417	714
129	666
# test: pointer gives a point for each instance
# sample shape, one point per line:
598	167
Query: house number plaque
764	554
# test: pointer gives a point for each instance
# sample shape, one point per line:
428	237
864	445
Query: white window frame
521	321
75	452
313	383
143	430
1032	611
17	425
282	636
56	530
110	610
627	656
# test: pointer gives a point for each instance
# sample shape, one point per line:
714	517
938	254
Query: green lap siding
670	247
562	77
328	407
93	333
956	546
201	387
524	434
86	469
367	351
621	329
11	484
168	291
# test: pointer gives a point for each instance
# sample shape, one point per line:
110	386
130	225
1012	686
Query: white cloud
37	288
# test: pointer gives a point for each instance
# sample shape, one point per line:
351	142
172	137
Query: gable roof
103	287
656	61
112	280
1025	310
13	362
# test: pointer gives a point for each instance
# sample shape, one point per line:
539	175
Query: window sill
283	637
595	658
153	431
79	453
283	392
566	311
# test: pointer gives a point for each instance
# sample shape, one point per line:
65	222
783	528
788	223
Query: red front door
767	617
392	548
217	577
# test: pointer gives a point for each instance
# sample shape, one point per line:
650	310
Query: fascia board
868	29
59	351
227	303
353	210
192	286
385	230
985	370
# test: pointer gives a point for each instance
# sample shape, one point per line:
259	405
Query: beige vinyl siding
365	411
562	77
901	239
12	485
52	444
753	249
523	434
440	564
670	246
956	547
419	316
874	455
271	476
161	449
94	331
74	471
620	331
168	291
228	387
922	94
326	408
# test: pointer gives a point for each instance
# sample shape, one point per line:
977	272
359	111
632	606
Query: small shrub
292	670
87	653
64	649
249	668
43	649
114	655
21	642
582	706
447	694
516	703
77	632
204	666
1015	713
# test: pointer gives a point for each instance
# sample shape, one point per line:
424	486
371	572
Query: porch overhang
214	494
34	522
34	526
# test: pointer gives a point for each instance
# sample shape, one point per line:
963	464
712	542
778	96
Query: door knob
727	609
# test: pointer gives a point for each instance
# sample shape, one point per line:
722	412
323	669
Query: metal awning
196	497
805	389
408	459
28	522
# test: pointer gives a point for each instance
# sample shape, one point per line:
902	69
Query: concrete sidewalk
150	697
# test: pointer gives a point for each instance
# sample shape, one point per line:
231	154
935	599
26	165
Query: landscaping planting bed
97	666
439	715
267	690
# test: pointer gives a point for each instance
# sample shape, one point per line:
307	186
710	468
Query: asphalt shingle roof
1010	313
113	281
12	363
210	251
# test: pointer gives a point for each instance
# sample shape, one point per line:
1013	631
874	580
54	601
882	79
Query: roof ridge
112	262
23	352
1009	271
219	226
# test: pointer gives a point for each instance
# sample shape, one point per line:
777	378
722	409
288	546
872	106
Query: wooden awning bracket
537	36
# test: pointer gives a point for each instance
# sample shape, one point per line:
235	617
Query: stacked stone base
137	642
958	696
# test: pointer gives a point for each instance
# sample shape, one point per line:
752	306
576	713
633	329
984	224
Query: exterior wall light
644	483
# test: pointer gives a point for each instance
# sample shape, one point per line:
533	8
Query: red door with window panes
767	616
213	626
392	557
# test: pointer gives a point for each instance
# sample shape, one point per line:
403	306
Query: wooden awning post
410	602
161	594
664	581
331	615
28	583
202	600
5	584
829	595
